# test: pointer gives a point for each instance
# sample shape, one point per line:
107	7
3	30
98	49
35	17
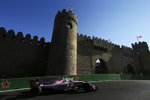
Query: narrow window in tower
69	25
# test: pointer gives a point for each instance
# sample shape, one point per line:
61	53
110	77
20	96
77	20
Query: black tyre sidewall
87	87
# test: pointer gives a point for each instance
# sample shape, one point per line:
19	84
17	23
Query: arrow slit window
69	25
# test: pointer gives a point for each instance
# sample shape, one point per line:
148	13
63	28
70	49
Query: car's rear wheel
72	90
86	87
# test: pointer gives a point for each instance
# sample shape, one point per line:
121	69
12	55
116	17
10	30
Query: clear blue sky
118	20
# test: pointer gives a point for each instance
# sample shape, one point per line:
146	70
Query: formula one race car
59	84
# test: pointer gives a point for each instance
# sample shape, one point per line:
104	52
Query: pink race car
60	84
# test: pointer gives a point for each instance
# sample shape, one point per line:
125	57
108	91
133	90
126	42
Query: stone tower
63	50
142	50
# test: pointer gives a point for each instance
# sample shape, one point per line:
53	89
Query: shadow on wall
22	56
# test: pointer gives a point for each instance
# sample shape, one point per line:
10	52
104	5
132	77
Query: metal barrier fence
17	83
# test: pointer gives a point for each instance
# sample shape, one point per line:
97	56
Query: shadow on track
28	94
21	95
2	96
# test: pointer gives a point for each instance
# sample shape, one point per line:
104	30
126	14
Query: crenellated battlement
98	43
10	35
83	37
139	44
126	47
95	39
64	13
140	47
127	51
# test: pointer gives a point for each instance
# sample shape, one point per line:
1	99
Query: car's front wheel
36	90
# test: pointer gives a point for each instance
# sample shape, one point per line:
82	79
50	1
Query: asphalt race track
109	90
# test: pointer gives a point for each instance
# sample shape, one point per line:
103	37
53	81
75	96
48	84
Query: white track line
14	90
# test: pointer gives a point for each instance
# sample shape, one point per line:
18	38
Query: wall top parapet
10	35
68	14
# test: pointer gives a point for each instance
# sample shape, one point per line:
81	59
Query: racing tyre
36	91
87	87
73	90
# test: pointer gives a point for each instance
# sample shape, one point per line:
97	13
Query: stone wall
22	56
116	58
84	55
